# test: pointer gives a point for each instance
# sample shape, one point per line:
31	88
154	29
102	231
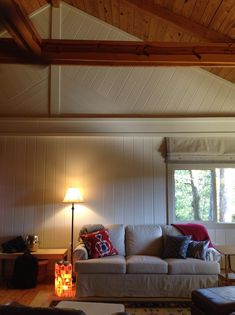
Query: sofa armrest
80	252
212	254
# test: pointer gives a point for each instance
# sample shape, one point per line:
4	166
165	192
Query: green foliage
183	194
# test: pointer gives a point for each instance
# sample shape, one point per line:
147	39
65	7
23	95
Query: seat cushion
219	300
192	266
144	240
146	264
108	264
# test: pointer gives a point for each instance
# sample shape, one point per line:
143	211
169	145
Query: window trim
170	188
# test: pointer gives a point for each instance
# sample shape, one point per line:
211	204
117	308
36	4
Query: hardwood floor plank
42	295
43	298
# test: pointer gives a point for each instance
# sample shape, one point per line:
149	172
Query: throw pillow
197	249
98	244
176	246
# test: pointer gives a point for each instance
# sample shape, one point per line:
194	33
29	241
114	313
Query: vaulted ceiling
190	21
182	21
184	32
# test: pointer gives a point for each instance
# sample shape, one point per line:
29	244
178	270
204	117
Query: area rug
155	308
159	308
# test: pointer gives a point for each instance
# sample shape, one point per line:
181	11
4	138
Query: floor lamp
73	195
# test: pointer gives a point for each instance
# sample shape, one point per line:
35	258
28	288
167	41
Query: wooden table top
226	249
41	253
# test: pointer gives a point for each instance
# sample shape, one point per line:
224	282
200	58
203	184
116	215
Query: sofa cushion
116	234
176	246
146	264
192	266
108	264
98	244
144	240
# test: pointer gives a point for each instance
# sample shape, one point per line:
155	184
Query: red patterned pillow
98	244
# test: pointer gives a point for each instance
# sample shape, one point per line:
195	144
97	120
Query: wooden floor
42	295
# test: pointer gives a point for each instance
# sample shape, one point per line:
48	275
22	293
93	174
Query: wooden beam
19	26
11	53
187	25
122	53
55	3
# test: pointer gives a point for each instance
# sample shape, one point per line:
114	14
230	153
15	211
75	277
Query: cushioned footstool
213	301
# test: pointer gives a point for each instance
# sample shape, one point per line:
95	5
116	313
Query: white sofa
138	270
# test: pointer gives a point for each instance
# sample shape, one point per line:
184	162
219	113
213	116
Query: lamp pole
71	254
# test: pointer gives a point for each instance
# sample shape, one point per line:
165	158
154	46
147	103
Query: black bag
25	271
15	245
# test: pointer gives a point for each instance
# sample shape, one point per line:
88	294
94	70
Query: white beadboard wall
122	179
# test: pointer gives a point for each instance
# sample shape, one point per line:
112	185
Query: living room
104	129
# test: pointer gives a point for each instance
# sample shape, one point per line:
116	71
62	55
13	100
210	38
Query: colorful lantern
63	279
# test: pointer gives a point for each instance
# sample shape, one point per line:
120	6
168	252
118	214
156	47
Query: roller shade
196	149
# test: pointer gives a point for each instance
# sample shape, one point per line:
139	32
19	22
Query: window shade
196	149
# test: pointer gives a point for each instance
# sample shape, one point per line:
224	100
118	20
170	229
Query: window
202	193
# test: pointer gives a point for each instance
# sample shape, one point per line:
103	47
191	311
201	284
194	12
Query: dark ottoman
213	301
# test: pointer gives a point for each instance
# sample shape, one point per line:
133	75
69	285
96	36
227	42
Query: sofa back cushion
144	240
116	234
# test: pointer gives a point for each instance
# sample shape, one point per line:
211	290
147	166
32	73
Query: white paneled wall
122	179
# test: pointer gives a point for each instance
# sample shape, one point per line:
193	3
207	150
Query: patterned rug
159	308
155	308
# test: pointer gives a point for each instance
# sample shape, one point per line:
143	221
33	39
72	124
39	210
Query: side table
227	276
41	254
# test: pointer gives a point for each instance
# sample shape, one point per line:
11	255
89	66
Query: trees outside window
204	194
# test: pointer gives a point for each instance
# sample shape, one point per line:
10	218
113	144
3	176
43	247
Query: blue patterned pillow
176	246
197	249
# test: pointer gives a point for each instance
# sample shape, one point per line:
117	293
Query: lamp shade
73	195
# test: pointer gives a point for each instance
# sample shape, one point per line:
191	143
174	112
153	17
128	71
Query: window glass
225	184
204	194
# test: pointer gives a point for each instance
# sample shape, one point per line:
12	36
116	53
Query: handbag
14	245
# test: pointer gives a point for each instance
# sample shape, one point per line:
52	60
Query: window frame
171	167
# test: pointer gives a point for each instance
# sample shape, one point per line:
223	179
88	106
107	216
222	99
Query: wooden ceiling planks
115	7
141	25
222	18
126	19
79	4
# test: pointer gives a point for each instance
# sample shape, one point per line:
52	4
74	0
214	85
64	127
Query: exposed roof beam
55	3
10	52
155	10
111	53
19	26
122	53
